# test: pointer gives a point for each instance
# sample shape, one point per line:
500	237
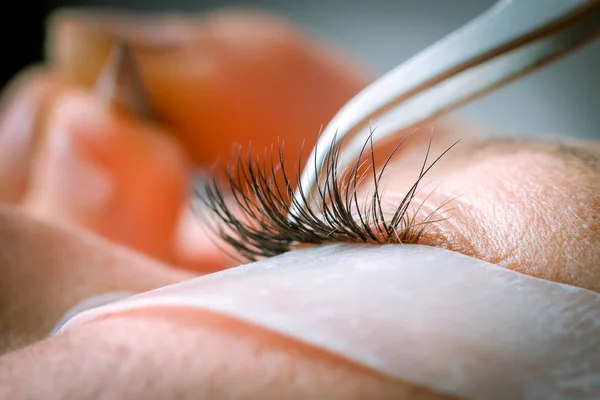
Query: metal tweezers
511	39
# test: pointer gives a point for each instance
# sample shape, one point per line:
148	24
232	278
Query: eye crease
250	210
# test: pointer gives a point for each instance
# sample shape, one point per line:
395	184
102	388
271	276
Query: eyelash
249	209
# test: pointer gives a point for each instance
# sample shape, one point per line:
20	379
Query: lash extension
250	209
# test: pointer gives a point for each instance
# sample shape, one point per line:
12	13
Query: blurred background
562	99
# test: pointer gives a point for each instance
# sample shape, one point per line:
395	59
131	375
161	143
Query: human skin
530	206
207	355
526	206
188	354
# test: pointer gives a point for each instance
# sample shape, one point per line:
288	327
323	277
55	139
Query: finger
21	116
115	176
46	269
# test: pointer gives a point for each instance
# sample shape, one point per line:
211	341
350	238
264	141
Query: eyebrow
586	156
578	152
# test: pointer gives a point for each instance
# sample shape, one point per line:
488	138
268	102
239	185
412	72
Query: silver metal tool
512	38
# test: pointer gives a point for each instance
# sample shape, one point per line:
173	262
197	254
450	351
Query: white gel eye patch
89	303
436	318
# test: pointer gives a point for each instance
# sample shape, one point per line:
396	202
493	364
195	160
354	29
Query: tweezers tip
120	83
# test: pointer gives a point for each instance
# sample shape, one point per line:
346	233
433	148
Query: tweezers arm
476	81
517	35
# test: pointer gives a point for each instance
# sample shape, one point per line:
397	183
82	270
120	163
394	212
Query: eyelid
258	216
425	315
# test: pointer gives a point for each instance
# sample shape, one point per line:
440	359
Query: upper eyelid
263	228
468	152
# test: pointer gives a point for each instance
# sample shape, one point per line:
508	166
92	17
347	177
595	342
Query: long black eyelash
250	209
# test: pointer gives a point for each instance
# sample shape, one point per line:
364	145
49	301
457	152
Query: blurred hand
213	80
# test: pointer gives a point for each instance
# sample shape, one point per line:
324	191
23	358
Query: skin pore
529	206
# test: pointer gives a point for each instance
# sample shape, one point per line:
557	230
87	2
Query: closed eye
530	206
252	207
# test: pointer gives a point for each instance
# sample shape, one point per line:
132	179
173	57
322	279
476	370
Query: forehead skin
529	206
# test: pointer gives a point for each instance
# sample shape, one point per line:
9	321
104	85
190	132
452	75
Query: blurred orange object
212	80
218	79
